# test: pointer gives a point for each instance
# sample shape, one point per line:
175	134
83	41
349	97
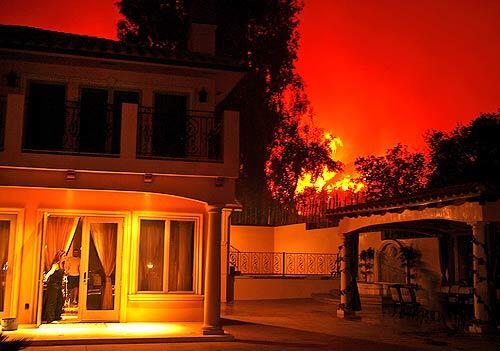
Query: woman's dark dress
55	301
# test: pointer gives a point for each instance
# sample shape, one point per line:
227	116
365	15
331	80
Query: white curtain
180	274
104	236
4	256
58	236
151	247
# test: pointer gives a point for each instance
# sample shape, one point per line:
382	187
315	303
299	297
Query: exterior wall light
148	178
203	95
219	181
70	174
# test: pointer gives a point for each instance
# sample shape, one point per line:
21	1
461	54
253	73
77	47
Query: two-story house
117	157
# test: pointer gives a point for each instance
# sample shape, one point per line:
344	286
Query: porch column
344	309
211	306
224	252
482	303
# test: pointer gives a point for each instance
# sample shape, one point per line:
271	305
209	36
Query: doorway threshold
114	333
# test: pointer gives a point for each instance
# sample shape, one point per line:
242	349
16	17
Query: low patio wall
287	238
267	288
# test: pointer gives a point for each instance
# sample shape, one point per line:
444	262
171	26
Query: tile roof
429	198
42	40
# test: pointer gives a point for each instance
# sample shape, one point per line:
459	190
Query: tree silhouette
263	36
397	173
469	153
153	23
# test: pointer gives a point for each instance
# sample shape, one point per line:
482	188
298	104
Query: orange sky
377	71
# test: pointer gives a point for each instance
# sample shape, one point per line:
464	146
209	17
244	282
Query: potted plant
410	259
366	258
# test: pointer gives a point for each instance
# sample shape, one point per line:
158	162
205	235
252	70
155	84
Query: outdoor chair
426	311
458	307
409	305
396	299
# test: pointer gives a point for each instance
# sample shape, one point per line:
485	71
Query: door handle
84	277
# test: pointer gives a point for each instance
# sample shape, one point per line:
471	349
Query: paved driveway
312	325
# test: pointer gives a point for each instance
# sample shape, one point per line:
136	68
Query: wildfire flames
328	181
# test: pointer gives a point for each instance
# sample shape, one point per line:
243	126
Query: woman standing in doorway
54	279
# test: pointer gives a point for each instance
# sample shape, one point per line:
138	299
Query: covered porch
464	222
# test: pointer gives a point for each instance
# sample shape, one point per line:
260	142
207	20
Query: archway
390	269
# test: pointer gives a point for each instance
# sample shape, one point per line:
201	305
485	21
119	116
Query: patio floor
291	325
114	333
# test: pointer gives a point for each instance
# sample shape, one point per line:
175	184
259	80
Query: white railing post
128	133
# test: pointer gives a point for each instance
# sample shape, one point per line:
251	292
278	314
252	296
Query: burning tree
302	172
298	157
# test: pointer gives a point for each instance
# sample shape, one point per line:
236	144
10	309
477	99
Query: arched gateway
390	269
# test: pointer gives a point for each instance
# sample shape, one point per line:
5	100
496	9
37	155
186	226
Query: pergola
471	209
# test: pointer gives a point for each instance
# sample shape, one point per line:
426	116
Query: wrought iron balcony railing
194	135
72	129
284	263
3	114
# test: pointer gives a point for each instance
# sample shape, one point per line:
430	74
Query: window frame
16	218
197	220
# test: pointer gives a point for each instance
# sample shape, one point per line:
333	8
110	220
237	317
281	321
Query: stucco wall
252	238
32	202
289	238
429	248
248	288
295	238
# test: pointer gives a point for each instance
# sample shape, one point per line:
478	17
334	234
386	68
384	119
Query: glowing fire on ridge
326	182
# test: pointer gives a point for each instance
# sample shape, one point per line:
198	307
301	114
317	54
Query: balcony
95	130
72	128
125	138
194	136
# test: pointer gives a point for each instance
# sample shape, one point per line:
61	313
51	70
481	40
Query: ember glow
329	181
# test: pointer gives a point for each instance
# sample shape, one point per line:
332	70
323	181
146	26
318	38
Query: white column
211	306
345	280
482	303
224	252
128	133
14	125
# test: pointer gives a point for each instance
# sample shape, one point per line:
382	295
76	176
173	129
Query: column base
482	329
211	330
346	314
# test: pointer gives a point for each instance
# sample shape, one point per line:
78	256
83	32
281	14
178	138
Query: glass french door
100	269
7	232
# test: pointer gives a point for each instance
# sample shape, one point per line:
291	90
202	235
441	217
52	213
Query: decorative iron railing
284	263
195	135
82	130
3	115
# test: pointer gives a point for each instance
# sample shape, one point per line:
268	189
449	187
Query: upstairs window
45	116
96	123
170	125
